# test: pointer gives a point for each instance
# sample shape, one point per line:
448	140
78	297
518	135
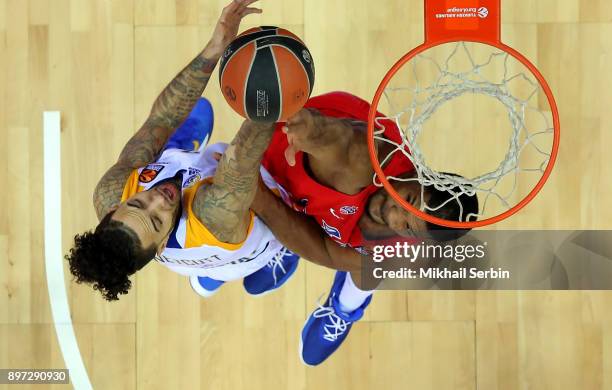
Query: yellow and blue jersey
192	249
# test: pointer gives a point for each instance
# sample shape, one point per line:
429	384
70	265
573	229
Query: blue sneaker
205	286
327	326
273	275
195	132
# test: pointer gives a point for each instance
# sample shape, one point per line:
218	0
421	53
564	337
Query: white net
494	142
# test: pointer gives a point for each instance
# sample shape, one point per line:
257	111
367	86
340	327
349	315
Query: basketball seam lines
287	37
299	62
251	41
255	32
254	41
236	52
246	80
245	84
279	84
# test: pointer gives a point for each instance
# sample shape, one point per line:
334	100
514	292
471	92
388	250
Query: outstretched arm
302	234
224	206
170	109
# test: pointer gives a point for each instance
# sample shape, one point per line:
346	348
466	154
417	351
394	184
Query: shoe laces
335	326
277	262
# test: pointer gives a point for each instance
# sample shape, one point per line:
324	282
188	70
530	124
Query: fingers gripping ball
266	74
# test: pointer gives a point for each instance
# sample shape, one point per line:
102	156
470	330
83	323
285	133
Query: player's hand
229	23
301	133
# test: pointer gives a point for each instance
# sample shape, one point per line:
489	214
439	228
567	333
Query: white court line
54	263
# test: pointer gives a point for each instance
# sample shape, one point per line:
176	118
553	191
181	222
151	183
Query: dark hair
107	256
450	211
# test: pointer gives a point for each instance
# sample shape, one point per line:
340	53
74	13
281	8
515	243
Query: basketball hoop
463	56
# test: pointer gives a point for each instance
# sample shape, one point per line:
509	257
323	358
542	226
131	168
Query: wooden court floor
102	63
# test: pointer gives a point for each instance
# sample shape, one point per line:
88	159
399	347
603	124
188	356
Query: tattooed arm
170	109
223	207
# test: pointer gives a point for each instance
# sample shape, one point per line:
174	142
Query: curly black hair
450	211
107	257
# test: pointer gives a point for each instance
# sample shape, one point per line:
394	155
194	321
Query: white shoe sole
201	291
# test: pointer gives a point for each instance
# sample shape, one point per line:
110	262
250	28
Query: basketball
266	74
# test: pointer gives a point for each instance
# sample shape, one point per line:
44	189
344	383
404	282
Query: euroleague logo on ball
306	56
483	12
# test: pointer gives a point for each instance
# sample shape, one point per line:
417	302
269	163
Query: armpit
107	193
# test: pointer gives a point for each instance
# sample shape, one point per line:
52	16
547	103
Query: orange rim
439	221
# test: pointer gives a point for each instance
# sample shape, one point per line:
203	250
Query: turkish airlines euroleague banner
492	260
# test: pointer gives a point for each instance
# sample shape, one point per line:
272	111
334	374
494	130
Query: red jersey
336	212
